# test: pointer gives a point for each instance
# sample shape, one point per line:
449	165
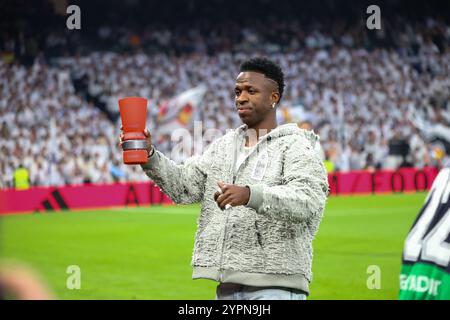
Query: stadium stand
378	99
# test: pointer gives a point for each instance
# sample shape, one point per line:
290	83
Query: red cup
133	113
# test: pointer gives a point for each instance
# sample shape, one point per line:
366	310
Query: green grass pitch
145	253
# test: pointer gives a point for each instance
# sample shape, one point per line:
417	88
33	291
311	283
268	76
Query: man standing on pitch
262	189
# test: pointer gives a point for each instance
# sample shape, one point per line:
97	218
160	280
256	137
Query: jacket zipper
234	180
226	220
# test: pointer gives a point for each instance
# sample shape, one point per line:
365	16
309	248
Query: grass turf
144	253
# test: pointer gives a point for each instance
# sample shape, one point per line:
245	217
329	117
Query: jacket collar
283	130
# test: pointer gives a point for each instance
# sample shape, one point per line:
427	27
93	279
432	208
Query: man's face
255	94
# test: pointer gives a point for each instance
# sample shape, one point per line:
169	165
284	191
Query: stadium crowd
50	130
377	100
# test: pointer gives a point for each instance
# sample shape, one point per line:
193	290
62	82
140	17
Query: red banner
125	194
80	197
382	181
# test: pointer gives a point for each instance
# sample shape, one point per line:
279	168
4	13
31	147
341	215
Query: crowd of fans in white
357	100
51	131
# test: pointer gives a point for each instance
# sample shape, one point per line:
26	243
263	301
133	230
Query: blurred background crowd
379	99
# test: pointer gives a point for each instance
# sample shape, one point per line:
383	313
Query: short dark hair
268	68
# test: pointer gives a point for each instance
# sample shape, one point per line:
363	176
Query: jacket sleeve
303	192
183	183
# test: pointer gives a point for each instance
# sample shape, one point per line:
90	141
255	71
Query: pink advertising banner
80	197
89	196
382	181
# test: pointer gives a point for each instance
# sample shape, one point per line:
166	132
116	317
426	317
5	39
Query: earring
273	105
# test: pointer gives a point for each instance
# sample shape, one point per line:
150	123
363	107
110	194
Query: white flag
178	112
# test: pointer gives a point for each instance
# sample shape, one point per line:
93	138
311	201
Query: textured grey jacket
267	242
